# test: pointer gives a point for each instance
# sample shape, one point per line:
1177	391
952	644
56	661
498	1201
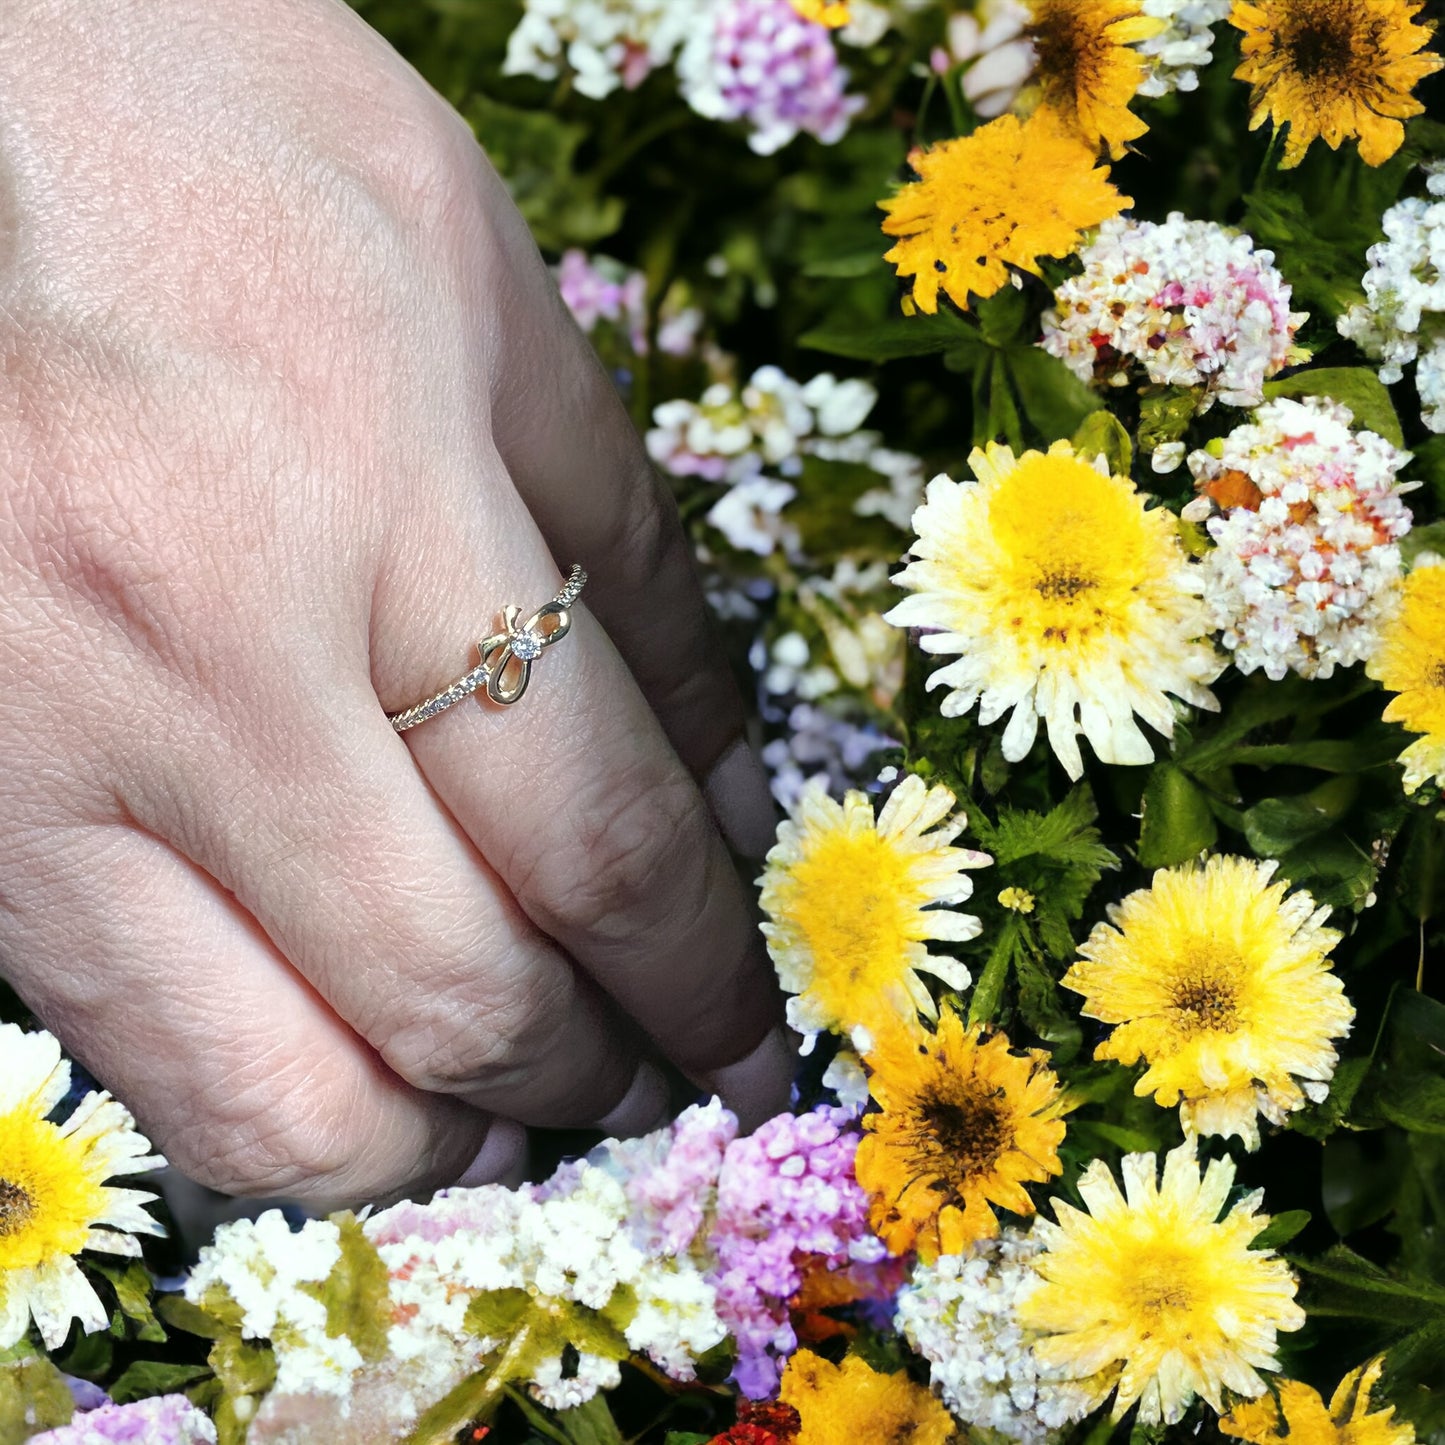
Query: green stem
473	1401
643	136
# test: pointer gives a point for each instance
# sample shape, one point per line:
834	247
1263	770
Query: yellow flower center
970	1131
1074	549
47	1199
1325	41
1160	1294
1206	992
856	906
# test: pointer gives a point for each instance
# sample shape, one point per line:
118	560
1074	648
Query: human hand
289	408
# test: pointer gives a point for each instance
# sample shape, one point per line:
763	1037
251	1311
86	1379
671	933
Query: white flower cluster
603	43
1190	303
262	1265
736	436
1306	539
573	1247
1403	316
961	1314
1183	48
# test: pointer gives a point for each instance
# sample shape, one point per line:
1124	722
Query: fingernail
737	792
503	1159
643	1107
758	1086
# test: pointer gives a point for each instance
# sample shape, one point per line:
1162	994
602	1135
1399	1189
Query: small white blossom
262	1264
960	1314
1178	52
1402	318
604	44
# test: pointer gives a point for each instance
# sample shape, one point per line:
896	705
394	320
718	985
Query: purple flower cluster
786	1193
162	1420
760	61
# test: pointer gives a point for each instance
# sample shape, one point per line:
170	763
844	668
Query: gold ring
504	660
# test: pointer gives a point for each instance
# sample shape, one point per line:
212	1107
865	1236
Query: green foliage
33	1395
355	1291
531	1328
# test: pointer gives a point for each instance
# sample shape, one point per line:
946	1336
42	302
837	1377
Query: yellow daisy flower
53	1200
1299	1415
852	902
1066	601
1330	69
1152	1295
1410	661
1222	986
965	1123
844	1404
1004	196
1087	69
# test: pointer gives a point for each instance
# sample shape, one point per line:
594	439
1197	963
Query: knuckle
492	1045
635	845
277	1147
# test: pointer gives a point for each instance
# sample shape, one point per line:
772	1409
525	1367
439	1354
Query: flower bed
1107	901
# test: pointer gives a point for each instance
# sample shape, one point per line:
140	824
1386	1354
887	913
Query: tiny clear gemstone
527	646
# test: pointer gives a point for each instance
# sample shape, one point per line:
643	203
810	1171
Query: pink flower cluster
757	1211
600	289
161	1420
761	62
785	1193
1189	303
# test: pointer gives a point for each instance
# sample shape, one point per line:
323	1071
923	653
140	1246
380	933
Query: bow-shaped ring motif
521	644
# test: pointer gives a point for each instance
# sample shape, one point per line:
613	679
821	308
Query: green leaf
155	1377
1281	1229
1356	387
497	1313
355	1292
33	1396
1063	835
1009	952
1177	824
686	1437
1364	1285
133	1287
1414	1101
1319	1121
1001	316
1429	538
1102	434
1042	1010
1055	401
1118	1136
1420	1017
177	1311
244	1367
895	338
1275	825
1164	415
590	1424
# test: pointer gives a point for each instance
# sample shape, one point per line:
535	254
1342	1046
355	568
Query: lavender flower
760	61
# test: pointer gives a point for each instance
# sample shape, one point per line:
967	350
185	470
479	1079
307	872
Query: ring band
504	660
